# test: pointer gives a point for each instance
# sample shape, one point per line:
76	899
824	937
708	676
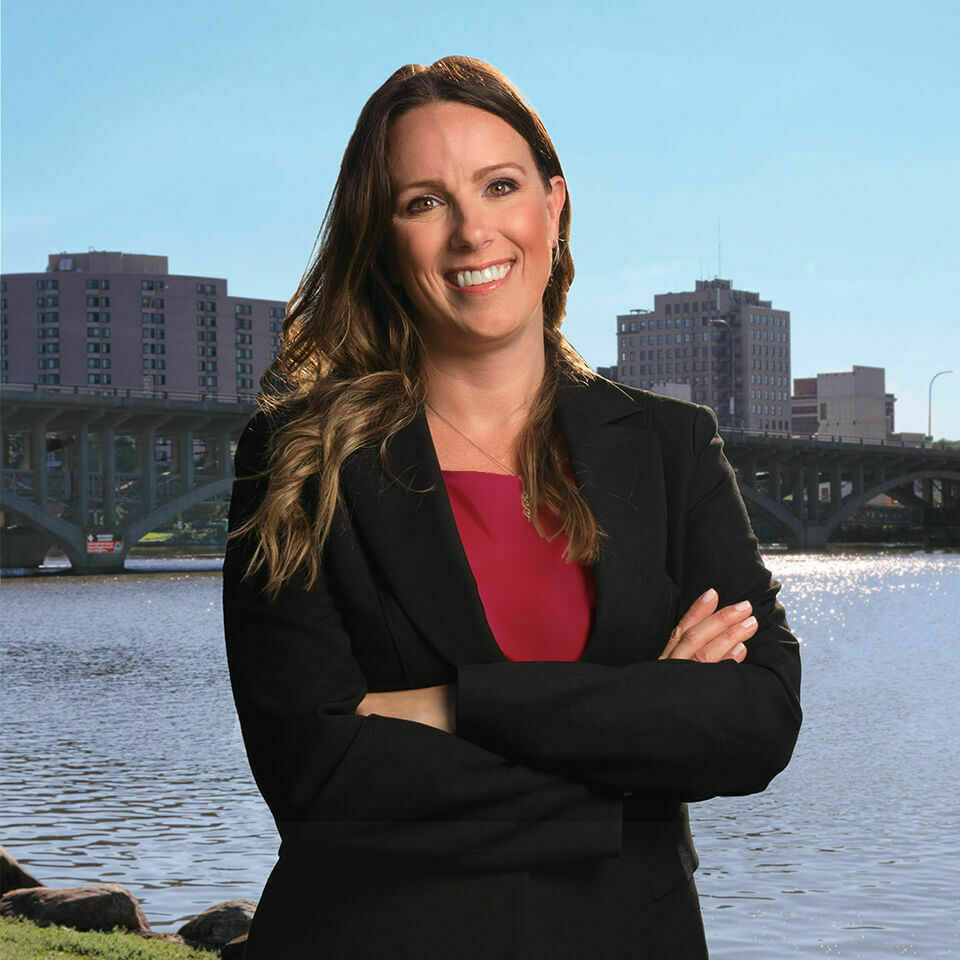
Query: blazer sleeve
673	728
377	785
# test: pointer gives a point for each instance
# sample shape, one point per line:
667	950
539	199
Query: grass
23	940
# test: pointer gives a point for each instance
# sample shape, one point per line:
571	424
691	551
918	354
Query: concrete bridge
115	465
112	467
808	486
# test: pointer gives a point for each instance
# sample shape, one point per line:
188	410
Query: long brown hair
351	360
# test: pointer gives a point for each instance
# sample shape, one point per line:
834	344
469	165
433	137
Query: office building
107	321
729	347
853	404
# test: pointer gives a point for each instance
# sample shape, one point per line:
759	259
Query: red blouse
538	606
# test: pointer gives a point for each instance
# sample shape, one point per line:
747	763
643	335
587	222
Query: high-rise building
730	348
106	321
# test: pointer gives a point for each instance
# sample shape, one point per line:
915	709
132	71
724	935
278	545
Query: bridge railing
118	392
734	433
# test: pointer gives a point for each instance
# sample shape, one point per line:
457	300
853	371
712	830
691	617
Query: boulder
99	906
234	950
219	924
12	875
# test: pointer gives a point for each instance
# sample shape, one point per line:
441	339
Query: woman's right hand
707	635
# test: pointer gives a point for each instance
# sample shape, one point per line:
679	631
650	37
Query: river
121	758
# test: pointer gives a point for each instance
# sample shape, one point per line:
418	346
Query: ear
555	201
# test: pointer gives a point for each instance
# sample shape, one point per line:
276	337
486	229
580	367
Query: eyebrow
479	175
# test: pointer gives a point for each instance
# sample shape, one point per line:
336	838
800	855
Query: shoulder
676	423
254	446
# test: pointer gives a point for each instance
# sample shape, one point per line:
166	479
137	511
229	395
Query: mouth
482	277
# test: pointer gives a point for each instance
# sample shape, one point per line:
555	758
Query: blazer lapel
413	535
409	527
616	461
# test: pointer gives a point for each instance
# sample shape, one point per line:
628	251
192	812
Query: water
121	758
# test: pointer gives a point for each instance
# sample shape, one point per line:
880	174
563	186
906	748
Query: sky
808	152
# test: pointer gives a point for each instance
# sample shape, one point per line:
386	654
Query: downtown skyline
214	135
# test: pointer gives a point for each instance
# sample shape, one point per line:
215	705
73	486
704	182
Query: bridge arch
72	540
854	503
792	526
64	534
140	526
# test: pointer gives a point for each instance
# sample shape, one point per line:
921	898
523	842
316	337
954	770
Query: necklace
524	501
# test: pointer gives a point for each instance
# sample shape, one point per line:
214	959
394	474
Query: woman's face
473	227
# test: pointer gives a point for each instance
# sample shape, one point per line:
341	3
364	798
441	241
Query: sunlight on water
121	759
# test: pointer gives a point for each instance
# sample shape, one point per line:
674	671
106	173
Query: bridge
94	471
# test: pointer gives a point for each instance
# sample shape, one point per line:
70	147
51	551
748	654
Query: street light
930	404
726	323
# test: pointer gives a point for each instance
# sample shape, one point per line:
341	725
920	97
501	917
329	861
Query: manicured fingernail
741	606
709	595
738	649
749	623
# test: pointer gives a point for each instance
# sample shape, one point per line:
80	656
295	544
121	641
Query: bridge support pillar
796	491
928	492
148	467
38	462
81	460
774	492
812	474
224	464
836	486
185	454
108	466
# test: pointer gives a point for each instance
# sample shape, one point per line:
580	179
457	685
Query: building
803	406
852	403
730	348
106	320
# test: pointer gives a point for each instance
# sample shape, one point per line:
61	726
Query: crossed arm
704	634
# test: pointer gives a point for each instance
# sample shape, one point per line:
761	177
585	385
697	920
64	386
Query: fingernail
742	605
749	623
738	649
709	595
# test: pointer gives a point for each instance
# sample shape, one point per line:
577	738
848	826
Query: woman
456	562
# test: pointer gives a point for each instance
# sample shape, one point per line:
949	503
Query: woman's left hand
433	706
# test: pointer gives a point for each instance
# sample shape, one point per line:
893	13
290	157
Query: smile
480	278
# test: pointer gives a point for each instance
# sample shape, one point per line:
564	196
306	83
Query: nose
471	224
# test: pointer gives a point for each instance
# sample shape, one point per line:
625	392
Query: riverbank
23	940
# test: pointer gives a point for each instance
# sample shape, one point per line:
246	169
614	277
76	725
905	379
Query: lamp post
930	404
730	402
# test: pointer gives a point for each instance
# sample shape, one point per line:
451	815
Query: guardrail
117	392
816	438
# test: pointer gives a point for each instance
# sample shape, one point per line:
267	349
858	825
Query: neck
491	390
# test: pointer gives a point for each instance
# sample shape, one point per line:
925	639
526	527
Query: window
242	308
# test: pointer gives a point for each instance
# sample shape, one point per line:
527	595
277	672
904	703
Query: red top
538	606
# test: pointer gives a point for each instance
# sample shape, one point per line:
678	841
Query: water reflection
121	759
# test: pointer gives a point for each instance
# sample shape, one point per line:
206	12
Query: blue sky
821	137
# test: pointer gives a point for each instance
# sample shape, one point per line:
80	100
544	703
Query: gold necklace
524	501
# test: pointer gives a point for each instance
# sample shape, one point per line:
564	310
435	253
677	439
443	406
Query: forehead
447	140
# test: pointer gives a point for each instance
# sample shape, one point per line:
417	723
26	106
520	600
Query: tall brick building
729	347
107	320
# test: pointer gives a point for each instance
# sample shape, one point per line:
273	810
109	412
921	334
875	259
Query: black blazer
512	838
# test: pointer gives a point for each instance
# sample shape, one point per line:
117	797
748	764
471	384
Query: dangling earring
554	256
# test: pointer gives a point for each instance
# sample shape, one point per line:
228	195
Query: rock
12	875
234	950
99	906
220	923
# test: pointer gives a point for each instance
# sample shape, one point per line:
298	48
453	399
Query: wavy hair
349	373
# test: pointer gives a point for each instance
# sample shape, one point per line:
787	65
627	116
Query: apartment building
106	321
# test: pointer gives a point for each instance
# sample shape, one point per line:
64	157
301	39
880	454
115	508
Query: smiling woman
456	563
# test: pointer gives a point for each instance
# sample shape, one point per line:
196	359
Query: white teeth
471	278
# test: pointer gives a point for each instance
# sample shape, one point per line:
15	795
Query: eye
422	204
500	188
